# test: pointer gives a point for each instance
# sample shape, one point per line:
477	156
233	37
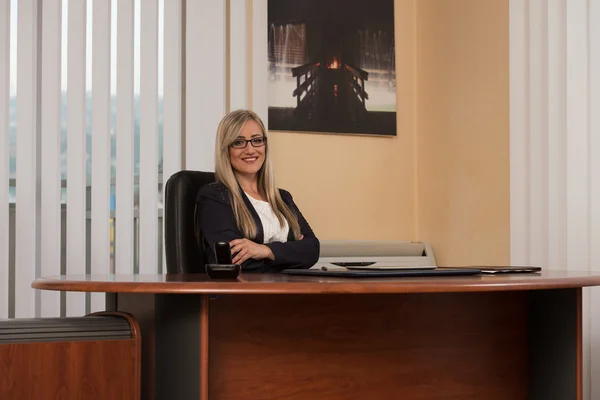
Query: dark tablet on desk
490	269
397	273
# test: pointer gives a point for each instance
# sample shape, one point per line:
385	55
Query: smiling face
248	160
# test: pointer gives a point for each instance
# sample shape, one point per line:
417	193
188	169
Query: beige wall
463	130
444	178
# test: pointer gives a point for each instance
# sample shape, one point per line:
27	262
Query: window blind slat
557	218
149	137
172	93
4	151
124	131
594	151
578	157
76	150
519	134
538	128
205	87
595	135
259	59
50	148
578	173
238	56
101	57
27	226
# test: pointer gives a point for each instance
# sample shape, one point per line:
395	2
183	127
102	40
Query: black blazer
216	222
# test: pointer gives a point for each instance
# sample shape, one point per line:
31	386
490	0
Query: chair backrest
183	252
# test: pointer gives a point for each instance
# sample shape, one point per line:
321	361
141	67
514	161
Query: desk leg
143	308
555	344
204	347
174	331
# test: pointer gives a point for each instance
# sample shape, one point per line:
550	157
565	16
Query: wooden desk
282	337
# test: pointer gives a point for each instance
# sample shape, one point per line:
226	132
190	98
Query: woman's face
245	158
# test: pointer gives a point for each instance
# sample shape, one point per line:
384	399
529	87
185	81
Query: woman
262	224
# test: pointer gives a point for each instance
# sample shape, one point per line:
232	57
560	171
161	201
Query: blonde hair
227	132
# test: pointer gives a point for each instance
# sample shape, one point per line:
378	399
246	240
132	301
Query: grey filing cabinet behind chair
377	253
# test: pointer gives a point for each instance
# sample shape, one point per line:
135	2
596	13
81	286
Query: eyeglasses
242	143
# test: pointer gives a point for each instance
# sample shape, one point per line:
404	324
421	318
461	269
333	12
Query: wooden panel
517	345
282	284
4	151
149	138
358	347
100	215
27	218
124	127
70	370
76	149
51	115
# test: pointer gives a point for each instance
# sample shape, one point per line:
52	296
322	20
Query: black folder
499	269
396	273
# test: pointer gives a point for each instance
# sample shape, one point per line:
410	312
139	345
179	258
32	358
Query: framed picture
332	66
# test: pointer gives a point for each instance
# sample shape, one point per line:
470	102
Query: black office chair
182	251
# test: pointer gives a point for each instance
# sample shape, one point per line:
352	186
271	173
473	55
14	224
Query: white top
273	232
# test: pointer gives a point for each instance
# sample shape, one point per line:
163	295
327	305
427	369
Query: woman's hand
243	249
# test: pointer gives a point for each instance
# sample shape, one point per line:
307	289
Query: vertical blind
5	26
76	215
555	148
205	79
28	149
101	101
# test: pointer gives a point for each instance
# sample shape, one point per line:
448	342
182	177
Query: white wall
555	148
